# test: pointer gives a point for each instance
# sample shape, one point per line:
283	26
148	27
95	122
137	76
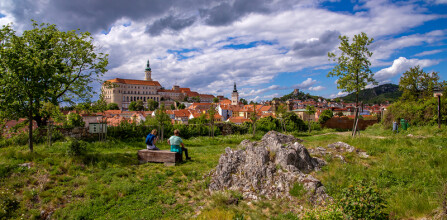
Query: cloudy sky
268	47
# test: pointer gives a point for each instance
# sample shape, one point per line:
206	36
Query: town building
124	91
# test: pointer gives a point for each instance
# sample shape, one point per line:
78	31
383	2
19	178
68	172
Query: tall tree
310	111
254	119
352	67
45	65
113	106
162	119
152	105
211	114
417	84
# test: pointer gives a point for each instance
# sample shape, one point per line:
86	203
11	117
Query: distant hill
300	95
380	94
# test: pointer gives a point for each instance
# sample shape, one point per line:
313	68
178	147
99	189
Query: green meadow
106	181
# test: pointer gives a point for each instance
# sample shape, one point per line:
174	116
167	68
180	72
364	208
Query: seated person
151	139
175	141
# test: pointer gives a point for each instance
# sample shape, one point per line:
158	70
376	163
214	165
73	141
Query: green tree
113	106
211	113
325	115
243	101
195	99
215	100
172	107
352	67
74	120
181	106
45	65
280	111
293	122
310	110
132	106
152	105
139	105
254	119
162	119
416	84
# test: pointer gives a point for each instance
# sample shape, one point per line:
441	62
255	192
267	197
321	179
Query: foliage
53	111
215	100
181	106
77	148
421	112
268	124
377	95
74	120
297	190
195	99
136	106
352	67
417	84
363	201
325	116
113	106
152	105
45	65
243	101
8	204
293	122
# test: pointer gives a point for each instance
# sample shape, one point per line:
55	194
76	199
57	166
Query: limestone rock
269	168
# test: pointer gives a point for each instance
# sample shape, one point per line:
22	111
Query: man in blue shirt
151	139
175	141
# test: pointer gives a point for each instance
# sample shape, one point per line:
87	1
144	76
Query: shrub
8	204
363	201
325	115
77	148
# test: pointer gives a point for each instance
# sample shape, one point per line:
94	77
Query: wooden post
439	111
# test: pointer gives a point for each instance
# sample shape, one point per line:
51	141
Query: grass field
109	183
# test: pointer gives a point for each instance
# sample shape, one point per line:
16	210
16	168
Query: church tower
234	96
148	72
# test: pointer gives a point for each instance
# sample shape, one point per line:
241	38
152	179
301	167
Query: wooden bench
159	156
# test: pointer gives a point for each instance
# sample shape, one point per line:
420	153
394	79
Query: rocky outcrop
336	149
269	168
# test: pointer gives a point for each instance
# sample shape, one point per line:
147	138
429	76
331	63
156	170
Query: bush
77	148
363	201
8	204
325	116
268	124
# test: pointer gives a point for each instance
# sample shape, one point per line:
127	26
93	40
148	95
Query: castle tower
234	96
148	72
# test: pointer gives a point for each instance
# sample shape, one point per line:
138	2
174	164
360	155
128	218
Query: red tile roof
134	82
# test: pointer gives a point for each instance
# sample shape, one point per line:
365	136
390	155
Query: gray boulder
269	168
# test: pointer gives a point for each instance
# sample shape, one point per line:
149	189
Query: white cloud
316	88
401	65
339	94
430	52
306	84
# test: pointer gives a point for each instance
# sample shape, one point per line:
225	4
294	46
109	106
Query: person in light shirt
177	144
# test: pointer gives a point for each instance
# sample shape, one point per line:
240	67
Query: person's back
177	144
151	139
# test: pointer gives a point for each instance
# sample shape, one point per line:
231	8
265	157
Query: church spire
148	67
234	90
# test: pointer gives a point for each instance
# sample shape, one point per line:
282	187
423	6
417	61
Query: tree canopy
353	63
44	65
417	84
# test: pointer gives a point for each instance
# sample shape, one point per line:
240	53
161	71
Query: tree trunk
254	129
30	127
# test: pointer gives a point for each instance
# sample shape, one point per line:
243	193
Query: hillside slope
380	94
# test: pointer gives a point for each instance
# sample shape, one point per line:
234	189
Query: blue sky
268	47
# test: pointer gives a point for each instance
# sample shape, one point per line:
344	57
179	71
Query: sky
268	47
